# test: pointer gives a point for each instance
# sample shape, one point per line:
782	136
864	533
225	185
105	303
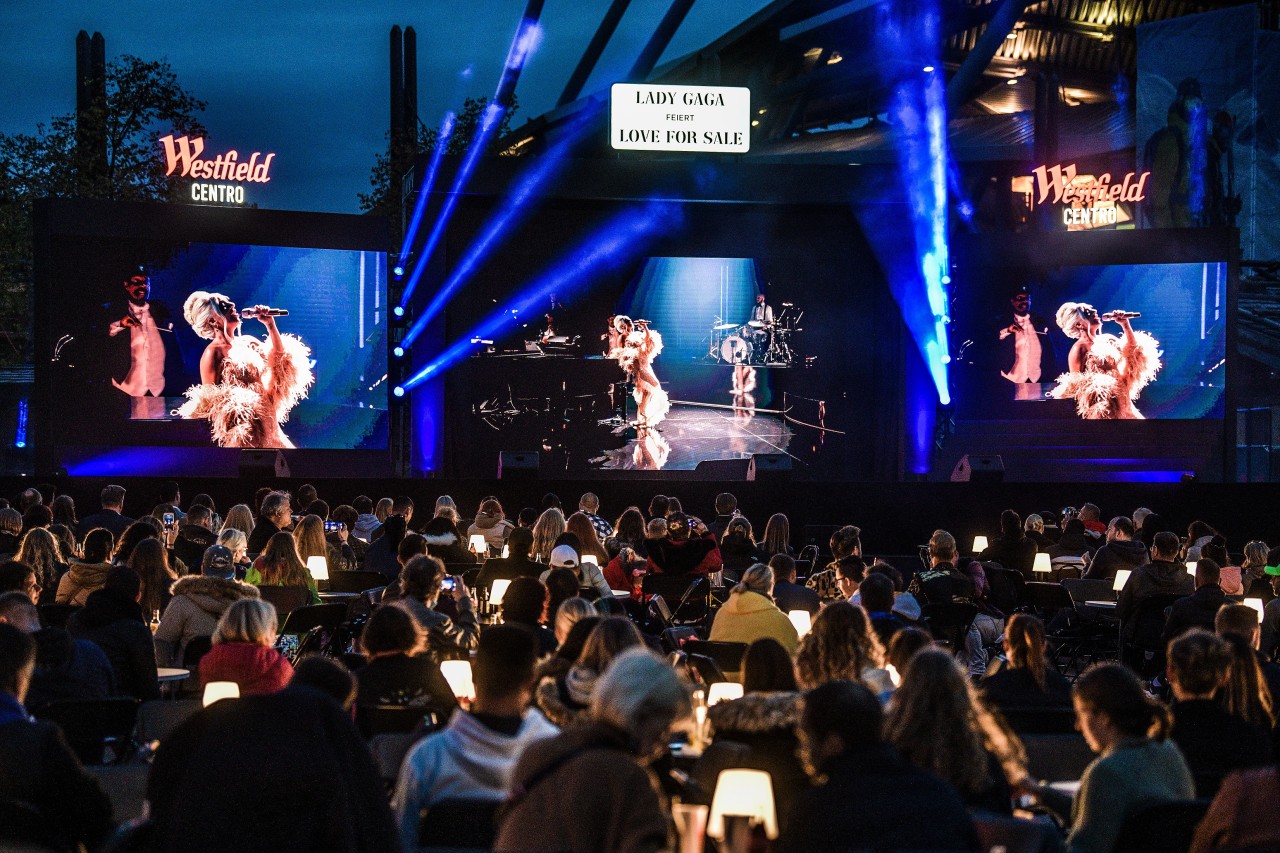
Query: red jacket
697	555
257	669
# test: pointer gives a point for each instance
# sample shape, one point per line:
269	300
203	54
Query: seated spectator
1161	576
867	796
280	565
629	532
942	582
750	613
1012	549
366	521
905	605
1242	816
381	556
194	535
625	571
777	536
588	575
876	594
112	620
842	645
1073	542
89	573
1033	529
444	543
525	604
1229	576
399	669
1213	741
66	668
244	650
939	724
1238	622
141	530
492	524
1199	534
738	550
274	517
579	524
546	530
1122	551
598	772
562	585
412	545
238	544
36	517
198	603
1198	609
150	560
1025	680
570	649
239	517
515	565
37	767
566	700
987	626
688	549
726	511
19	577
342	538
66	540
1137	765
422	582
1253	571
1247	694
310	540
110	517
328	676
789	594
10	531
202	499
903	647
41	551
473	758
846	550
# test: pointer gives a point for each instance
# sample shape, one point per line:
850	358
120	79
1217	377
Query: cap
217	561
564	557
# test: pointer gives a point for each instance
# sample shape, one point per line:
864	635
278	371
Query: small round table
171	675
338	597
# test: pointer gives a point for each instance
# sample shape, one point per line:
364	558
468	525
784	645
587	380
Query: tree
383	198
144	100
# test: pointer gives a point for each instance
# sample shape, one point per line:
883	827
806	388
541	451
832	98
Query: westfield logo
183	155
1060	182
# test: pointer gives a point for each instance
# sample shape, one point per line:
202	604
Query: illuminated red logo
183	154
1061	182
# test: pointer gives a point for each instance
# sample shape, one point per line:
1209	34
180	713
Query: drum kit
756	342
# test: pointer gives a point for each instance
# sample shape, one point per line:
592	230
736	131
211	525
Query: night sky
309	80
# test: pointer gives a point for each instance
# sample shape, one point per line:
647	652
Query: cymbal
724	327
756	324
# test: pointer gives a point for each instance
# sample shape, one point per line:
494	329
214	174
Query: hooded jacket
554	698
1120	554
257	669
80	580
1155	578
198	603
67	668
366	523
466	760
114	623
495	530
748	616
442	542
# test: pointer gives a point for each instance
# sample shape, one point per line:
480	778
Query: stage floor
693	434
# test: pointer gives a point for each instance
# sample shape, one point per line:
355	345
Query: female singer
247	386
1106	373
635	348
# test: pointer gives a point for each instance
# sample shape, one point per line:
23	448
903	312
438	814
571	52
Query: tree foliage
144	100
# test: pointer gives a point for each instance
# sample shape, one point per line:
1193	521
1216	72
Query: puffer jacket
749	616
558	702
495	530
80	580
198	603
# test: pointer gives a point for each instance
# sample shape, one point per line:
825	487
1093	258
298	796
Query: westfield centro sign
1088	201
220	180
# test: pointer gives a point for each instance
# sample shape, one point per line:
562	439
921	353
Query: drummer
760	323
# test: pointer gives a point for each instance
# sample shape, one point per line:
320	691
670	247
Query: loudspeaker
263	464
518	464
769	466
978	469
723	469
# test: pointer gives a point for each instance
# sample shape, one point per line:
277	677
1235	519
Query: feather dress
1115	372
635	354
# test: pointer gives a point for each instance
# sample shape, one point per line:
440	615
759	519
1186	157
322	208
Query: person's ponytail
1113	690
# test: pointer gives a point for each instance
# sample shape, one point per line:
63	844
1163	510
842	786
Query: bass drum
735	350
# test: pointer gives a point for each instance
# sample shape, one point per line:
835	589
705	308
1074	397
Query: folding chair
285	599
949	623
728	656
303	619
351	581
159	717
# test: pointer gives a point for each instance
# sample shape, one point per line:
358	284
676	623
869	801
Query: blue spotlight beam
513	208
424	191
605	248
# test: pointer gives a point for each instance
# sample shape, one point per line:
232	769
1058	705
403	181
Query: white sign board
654	117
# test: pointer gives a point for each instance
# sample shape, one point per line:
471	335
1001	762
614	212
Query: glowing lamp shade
1191	567
215	691
723	691
801	619
590	558
1122	578
979	544
478	544
746	793
318	567
1042	564
458	674
506	551
498	590
1256	604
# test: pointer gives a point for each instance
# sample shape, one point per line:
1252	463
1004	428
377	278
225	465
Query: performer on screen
1026	350
247	386
635	348
1106	373
138	355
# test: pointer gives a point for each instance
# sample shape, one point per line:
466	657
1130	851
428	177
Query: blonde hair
239	517
281	565
1069	318
247	620
200	311
757	578
569	613
637	685
383	509
445	506
41	552
546	530
235	541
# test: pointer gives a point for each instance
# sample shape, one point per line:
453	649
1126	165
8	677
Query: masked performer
247	386
635	348
1106	373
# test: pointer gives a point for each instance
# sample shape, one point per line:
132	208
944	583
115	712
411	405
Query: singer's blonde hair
1070	320
202	313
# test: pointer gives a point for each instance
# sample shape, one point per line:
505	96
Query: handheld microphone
265	312
1122	315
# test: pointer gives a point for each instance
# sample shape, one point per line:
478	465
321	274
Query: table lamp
723	691
743	799
506	551
318	567
1191	567
802	620
498	590
979	544
478	544
458	674
590	558
1043	564
1256	604
215	691
1122	578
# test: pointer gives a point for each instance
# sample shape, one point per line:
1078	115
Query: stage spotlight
398	391
398	310
398	352
928	69
397	270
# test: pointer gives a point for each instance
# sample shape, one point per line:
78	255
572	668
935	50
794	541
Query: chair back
394	719
1047	598
389	750
460	825
706	669
286	599
56	615
159	717
673	639
303	619
1013	835
1082	590
1145	627
351	581
1007	587
728	656
1040	721
1057	758
95	726
1163	828
949	622
194	651
691	589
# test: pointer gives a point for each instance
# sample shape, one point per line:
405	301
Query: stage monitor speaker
725	470
978	469
263	464
769	466
518	464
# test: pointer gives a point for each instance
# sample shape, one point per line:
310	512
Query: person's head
904	646
200	516
98	544
1216	550
777	534
392	630
259	496
1198	530
42	551
589	502
759	298
527	517
739	527
767	667
421	579
446	507
112	497
1078	319
846	542
17	609
880	567
277	509
641	695
393	530
247	620
490	508
234	541
525	602
519	543
1255	554
1139	516
1073	527
64	509
328	676
784	568
726	503
1020	301
124	582
10	521
281	564
137	287
1034	523
1111	706
1024	644
570	612
363	505
656	529
1010	524
562	584
383	510
204	500
1245	693
579	524
1090	512
1240	621
218	562
610	637
1198	664
551	499
170	493
1164	546
758	579
877	593
840	644
308	536
849	574
503	666
839	716
942	547
306	495
658	506
1208	573
410	546
19	577
1120	529
17	661
546	530
239	517
211	315
318	508
564	557
678	527
37	516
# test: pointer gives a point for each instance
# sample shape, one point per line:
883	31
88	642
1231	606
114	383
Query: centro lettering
185	152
